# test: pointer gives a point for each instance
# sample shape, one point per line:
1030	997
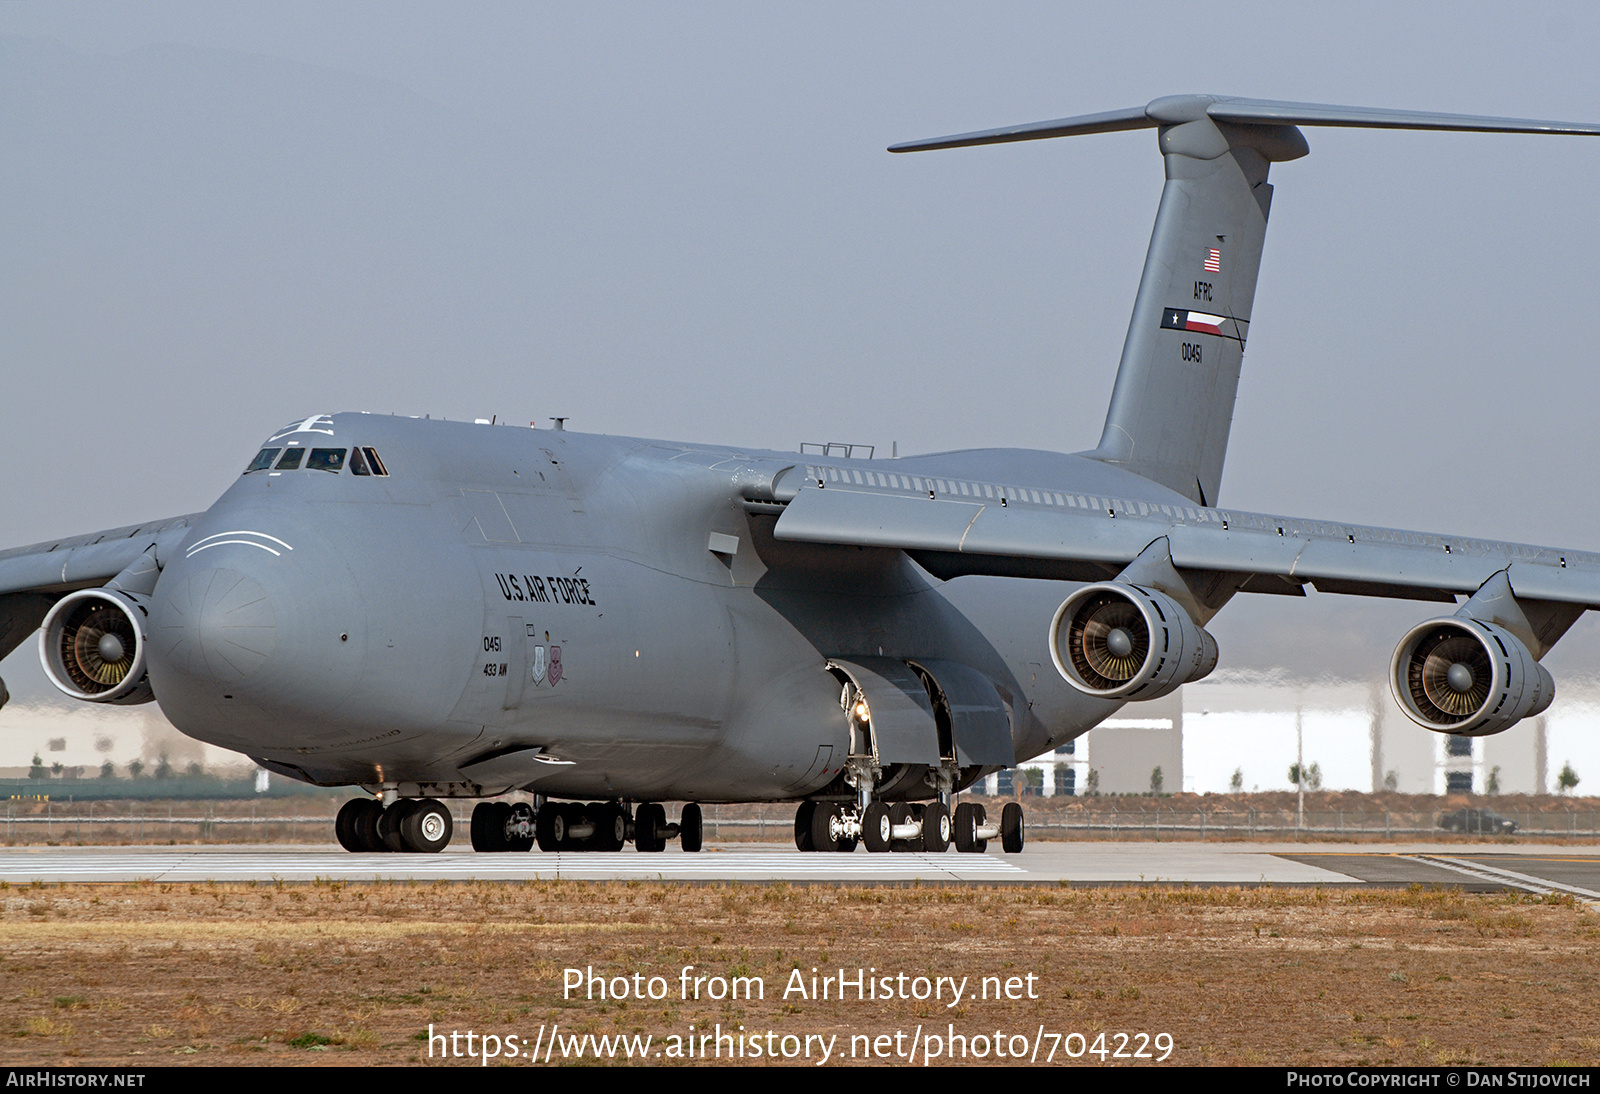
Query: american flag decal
1214	261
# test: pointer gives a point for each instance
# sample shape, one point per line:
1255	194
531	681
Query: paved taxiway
1575	870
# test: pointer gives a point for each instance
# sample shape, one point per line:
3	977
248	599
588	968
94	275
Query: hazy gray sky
679	221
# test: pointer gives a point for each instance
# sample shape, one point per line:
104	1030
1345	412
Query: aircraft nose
216	624
256	632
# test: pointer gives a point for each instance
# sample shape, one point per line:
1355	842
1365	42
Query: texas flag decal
1178	319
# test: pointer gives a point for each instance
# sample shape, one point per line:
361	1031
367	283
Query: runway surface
1539	869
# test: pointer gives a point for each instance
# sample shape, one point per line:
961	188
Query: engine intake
92	645
1119	641
1464	676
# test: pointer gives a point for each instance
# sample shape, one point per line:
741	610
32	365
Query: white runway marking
1526	882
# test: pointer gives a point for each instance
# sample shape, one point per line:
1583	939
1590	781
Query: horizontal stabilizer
1112	121
1176	109
1267	111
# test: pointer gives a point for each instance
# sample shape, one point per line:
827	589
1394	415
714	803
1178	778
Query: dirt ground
329	973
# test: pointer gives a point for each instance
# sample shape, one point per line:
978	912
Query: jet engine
1119	641
1464	676
92	645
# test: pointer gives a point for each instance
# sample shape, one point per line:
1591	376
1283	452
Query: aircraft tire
935	828
344	825
649	820
691	827
965	821
365	827
426	827
610	826
388	827
802	825
902	813
822	829
875	828
1011	829
489	827
550	827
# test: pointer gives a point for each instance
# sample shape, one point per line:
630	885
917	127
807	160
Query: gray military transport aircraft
433	609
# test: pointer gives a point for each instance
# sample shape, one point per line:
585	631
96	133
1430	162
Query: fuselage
616	609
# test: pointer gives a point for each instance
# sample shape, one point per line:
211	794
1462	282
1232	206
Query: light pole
1299	771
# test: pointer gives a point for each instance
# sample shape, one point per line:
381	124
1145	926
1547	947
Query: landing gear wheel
967	819
935	828
691	827
802	825
365	827
649	826
901	813
610	826
389	836
848	844
574	814
875	827
489	826
825	827
1011	836
348	826
426	827
344	824
550	827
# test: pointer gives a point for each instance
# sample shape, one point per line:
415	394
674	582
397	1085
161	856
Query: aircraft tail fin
1172	405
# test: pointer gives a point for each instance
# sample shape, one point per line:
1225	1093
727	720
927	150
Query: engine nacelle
92	646
1464	676
1119	641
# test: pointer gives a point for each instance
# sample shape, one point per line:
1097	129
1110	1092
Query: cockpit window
326	459
358	463
263	460
291	459
374	462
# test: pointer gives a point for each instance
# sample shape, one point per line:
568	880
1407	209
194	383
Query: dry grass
354	974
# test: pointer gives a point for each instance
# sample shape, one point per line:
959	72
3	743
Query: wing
955	527
35	577
1156	572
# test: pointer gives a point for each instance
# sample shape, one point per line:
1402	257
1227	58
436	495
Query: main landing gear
901	826
575	826
424	825
410	824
